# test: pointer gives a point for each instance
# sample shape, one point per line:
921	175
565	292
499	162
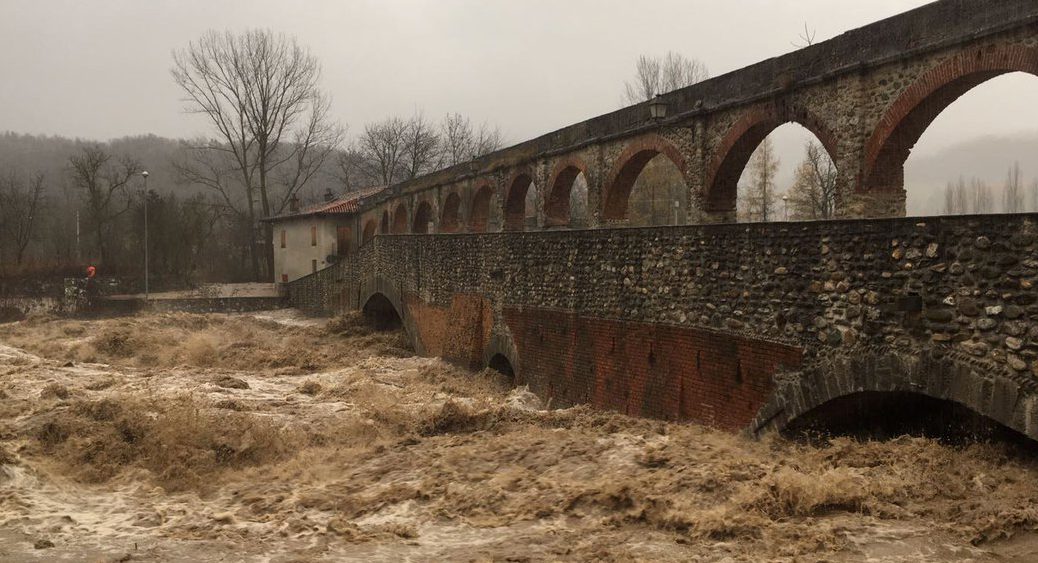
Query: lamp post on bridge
785	206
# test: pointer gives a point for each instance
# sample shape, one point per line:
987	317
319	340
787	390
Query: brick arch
934	374
515	199
502	346
918	106
423	215
384	224
560	186
370	227
399	224
479	209
740	142
450	216
629	166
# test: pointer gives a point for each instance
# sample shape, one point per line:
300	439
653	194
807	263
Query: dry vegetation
253	437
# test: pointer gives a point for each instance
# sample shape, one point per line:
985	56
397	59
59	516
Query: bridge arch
382	313
423	216
557	206
629	167
384	224
908	117
479	210
501	355
450	218
741	141
399	225
370	228
932	375
516	199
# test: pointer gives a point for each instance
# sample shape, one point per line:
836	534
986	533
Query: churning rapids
270	437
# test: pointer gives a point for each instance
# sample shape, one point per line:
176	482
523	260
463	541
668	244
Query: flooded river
271	437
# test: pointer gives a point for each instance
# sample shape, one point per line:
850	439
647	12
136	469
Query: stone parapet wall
793	293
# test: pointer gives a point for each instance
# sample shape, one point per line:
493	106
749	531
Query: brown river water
271	437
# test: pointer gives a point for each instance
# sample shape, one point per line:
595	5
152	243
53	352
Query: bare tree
353	169
259	90
956	198
813	194
421	147
20	200
104	184
1013	194
460	143
761	194
983	200
382	146
659	75
807	38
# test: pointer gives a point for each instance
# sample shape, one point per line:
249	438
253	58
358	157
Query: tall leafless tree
421	151
1013	194
813	194
104	184
983	200
382	146
659	75
259	90
20	201
459	142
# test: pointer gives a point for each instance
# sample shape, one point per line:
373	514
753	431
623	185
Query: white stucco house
311	238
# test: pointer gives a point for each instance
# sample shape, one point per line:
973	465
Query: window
313	235
313	265
283	238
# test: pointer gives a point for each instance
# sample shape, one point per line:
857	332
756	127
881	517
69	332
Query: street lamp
146	292
657	108
785	205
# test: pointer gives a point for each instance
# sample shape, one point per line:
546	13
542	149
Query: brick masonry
723	324
867	95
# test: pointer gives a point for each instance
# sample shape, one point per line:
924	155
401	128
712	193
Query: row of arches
651	183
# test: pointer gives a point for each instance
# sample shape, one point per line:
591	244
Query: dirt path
276	438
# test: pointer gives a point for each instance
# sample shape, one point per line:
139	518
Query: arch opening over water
874	415
381	315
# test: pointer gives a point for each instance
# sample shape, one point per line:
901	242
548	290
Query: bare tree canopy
104	185
813	194
1013	194
659	75
20	200
396	149
259	90
461	143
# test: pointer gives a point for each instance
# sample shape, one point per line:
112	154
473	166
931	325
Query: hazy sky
100	68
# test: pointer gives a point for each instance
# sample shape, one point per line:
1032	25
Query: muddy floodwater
270	437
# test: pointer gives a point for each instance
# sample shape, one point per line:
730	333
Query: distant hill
987	158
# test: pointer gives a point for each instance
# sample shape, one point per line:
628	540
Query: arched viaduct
736	326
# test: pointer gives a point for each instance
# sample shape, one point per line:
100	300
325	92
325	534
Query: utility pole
146	292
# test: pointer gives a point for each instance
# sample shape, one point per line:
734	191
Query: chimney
328	195
293	204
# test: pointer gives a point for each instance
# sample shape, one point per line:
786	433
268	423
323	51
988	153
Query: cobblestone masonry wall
696	322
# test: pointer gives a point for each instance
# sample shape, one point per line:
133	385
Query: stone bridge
736	326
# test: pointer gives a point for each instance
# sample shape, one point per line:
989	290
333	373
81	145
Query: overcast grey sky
100	68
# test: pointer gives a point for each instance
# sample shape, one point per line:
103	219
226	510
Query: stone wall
695	322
